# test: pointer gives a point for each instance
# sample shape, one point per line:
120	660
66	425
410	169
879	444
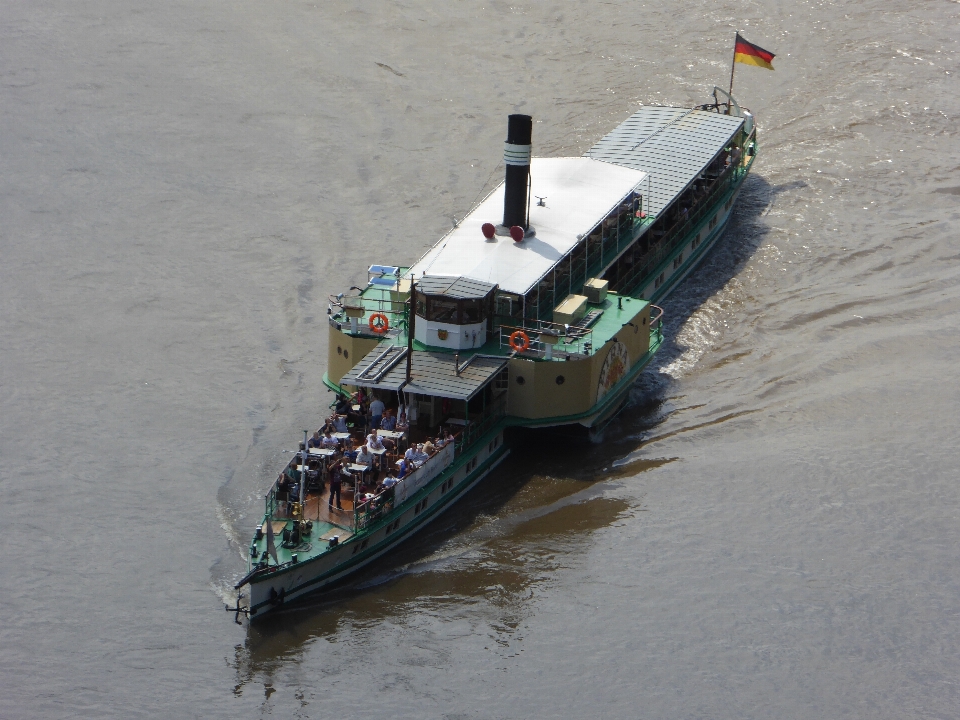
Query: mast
733	66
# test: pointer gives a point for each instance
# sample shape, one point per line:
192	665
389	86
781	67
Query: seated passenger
406	467
314	442
329	441
365	457
373	441
340	423
429	448
419	456
389	422
349	451
344	405
402	423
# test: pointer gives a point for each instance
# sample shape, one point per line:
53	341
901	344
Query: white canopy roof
579	193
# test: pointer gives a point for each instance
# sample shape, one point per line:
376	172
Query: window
713	222
472	312
442	310
695	243
677	261
729	203
658	282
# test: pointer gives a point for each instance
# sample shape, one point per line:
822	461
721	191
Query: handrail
680	230
373	362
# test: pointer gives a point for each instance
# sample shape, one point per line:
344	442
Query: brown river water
770	530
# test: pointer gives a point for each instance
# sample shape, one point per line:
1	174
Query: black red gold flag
750	54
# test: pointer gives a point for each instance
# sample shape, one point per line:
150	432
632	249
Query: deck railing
570	338
675	235
478	426
372	300
369	511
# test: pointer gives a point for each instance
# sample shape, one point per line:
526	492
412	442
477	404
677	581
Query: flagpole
733	66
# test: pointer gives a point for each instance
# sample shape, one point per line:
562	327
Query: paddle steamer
538	309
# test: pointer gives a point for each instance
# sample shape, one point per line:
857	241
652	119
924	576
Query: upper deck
569	197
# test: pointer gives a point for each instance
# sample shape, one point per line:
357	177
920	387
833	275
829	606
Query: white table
341	436
391	434
322	452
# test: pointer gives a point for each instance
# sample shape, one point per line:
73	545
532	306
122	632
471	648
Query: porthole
346	355
645	321
520	380
339	350
561	379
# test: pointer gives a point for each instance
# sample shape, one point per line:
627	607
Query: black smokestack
516	156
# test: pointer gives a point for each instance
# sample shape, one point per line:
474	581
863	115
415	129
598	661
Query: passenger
344	405
336	479
419	456
406	467
292	476
329	441
367	459
389	422
429	448
376	444
315	441
389	481
340	424
373	440
349	451
402	424
376	412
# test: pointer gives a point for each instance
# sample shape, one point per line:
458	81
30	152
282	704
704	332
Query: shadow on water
472	551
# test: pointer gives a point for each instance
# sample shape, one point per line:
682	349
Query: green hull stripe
419	521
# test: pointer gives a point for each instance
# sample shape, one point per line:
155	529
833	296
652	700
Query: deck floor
316	509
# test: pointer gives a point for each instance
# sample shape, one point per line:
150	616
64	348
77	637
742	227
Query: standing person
335	481
376	412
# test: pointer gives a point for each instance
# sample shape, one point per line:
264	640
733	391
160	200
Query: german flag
750	54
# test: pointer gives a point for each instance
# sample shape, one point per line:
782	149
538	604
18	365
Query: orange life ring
519	341
379	323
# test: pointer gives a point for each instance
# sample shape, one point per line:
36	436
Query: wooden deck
317	509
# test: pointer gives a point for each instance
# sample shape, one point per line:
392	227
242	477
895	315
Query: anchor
237	610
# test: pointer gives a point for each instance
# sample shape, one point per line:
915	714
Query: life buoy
379	323
519	341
